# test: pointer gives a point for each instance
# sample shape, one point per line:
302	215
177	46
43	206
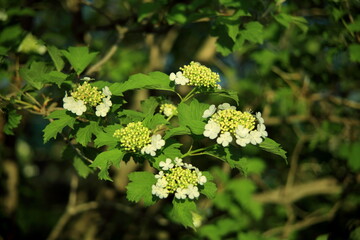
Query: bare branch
299	191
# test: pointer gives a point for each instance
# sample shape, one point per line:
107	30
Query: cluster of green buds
176	177
90	95
168	109
86	96
226	123
196	75
135	137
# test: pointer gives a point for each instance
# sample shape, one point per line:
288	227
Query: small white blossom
242	141
178	162
212	129
201	179
106	91
209	112
179	78
224	139
181	193
262	130
167	164
159	175
259	118
225	106
157	142
75	106
192	191
149	149
161	182
102	109
172	76
255	137
219	87
160	192
241	132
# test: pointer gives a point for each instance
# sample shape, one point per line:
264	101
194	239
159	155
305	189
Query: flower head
135	137
168	109
226	124
180	179
197	75
86	96
75	106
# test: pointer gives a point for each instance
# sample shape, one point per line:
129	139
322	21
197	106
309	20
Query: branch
311	220
299	191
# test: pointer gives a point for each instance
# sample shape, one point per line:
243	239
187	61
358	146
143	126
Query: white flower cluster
103	108
179	78
179	178
156	143
78	106
227	124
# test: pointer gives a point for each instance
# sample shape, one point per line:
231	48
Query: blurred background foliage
296	61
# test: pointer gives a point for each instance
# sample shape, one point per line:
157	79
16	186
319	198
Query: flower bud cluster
86	96
179	178
197	75
226	124
135	137
168	109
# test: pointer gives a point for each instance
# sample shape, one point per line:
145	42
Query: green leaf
242	190
182	212
191	115
56	77
35	75
354	51
232	155
286	20
153	121
106	138
139	187
13	120
10	34
154	80
30	44
210	188
253	32
82	169
79	57
149	105
57	114
56	56
83	135
56	126
270	145
181	130
105	159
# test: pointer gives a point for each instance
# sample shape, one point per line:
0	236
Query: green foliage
182	212
271	146
56	126
154	80
79	58
56	56
13	120
84	134
190	115
139	188
82	169
106	159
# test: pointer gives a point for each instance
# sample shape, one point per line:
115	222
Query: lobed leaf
270	145
139	188
105	159
79	57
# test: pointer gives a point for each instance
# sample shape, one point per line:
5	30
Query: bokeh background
295	61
